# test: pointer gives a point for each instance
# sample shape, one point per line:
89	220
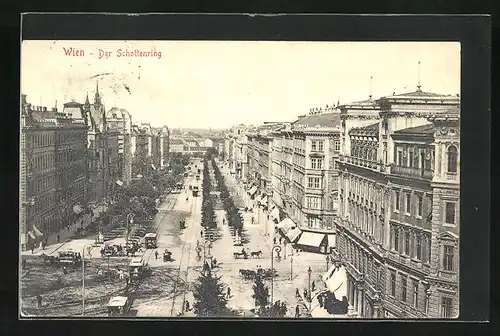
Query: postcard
249	179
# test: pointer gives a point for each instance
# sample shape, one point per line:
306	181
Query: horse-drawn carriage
119	306
70	258
167	256
112	251
239	255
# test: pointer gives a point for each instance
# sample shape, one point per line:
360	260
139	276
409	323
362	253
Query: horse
256	254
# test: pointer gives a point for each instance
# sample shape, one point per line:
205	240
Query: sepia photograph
249	179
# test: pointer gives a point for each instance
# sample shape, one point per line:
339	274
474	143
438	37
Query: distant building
120	120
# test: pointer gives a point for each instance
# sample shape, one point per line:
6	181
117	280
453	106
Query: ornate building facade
387	199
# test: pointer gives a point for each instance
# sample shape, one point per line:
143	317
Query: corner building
391	227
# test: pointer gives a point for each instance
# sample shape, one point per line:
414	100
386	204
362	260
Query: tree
260	295
209	295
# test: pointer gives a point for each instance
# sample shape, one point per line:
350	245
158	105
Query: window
396	239
450	213
420	205
410	157
393	283
316	163
415	294
407	243
396	200
418	243
314	202
407	203
448	256
320	146
313	182
452	159
337	145
446	306
404	284
400	157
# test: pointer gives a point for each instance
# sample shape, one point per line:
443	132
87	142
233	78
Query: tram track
183	254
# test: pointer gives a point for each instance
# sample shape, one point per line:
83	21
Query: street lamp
309	271
87	247
276	248
291	267
130	220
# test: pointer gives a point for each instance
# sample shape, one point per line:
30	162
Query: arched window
452	159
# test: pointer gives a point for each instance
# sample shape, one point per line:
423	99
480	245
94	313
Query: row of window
314	182
415	244
40	184
299	160
71	136
317	145
369	223
363	152
409	293
37	140
71	155
40	161
41	204
417	199
415	157
316	163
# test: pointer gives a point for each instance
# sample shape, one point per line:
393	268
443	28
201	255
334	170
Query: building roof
418	130
323	120
370	130
421	95
74	109
114	113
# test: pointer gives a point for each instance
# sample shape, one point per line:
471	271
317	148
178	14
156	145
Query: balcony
412	172
362	162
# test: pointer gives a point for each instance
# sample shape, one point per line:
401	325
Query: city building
52	170
389	225
120	121
305	179
103	151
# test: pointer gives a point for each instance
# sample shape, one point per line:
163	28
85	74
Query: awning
252	190
275	213
120	183
37	232
293	234
31	235
77	208
311	239
331	240
337	282
286	225
264	199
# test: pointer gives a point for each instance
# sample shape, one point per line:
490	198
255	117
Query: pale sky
219	84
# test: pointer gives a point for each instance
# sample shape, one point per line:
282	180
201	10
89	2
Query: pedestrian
39	300
297	311
274	240
305	294
223	221
186	306
65	271
58	238
32	249
228	292
313	286
24	263
253	220
320	300
201	233
156	255
297	293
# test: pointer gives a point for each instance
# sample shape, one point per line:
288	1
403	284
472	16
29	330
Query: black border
472	31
